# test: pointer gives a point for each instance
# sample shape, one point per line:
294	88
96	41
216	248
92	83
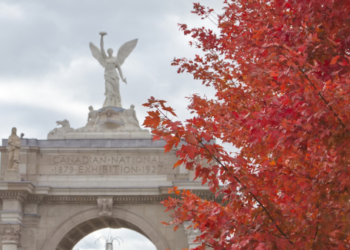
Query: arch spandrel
72	230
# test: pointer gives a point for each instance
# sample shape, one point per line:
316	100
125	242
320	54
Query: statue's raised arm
99	55
103	52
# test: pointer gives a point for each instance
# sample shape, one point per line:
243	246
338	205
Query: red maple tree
281	75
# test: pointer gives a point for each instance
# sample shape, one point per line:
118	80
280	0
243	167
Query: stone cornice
14	195
125	199
17	186
34	199
89	199
91	143
70	199
28	193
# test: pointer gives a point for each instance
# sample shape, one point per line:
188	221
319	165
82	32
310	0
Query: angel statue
111	63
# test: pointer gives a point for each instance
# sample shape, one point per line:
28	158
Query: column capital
10	233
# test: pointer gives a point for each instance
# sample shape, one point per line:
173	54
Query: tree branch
319	93
237	179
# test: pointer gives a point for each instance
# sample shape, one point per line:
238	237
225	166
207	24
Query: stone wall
70	188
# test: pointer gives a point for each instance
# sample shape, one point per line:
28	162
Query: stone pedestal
105	123
12	175
110	118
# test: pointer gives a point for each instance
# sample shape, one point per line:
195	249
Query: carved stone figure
105	206
92	117
110	120
92	120
62	130
111	63
130	118
14	143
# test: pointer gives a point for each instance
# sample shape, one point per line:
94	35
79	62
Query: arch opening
127	239
75	228
80	231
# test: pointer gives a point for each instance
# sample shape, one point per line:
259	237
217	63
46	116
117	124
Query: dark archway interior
76	234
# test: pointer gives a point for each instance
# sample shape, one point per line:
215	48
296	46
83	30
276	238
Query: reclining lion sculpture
62	130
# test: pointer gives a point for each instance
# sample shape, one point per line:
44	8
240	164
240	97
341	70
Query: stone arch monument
108	173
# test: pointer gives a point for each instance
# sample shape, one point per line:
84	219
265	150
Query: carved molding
13	195
105	206
34	199
70	199
139	199
10	232
92	199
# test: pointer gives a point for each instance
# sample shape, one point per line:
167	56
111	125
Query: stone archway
72	230
60	200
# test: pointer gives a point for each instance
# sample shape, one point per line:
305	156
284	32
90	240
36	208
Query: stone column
10	234
12	207
11	219
191	234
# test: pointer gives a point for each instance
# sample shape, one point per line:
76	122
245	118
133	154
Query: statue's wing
97	54
125	50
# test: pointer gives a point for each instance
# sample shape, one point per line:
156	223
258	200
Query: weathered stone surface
65	183
12	175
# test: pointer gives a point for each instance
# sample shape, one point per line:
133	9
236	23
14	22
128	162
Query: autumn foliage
280	70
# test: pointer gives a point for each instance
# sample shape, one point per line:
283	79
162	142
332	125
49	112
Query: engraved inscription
107	169
106	165
99	160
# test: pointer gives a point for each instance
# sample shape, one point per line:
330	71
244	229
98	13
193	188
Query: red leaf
279	76
334	60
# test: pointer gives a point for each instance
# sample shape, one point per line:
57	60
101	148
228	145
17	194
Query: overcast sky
47	72
130	240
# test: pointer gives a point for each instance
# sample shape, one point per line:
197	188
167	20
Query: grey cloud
52	34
